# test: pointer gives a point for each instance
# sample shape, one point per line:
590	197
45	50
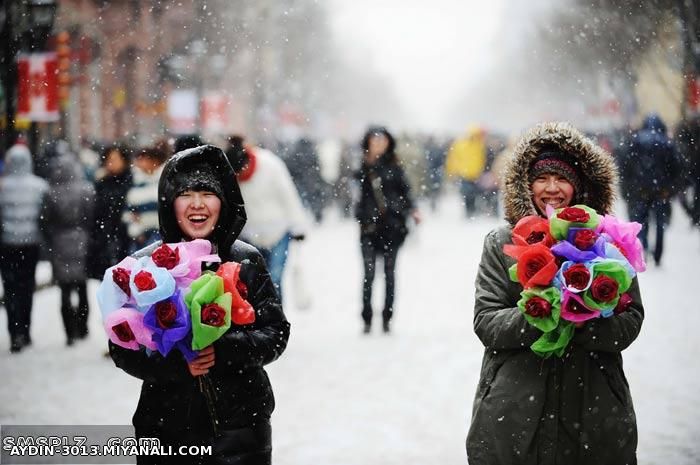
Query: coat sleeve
497	320
407	202
616	333
264	340
153	368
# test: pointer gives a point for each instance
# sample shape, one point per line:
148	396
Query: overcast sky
451	63
431	51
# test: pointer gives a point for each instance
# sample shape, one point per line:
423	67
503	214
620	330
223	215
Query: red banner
37	87
693	92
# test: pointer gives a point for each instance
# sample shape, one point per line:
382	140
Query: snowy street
404	398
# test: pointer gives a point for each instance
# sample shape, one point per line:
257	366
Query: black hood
232	217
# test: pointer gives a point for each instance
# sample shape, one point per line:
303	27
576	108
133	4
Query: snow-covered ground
348	398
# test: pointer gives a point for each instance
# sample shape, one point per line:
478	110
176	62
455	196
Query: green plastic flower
610	279
210	309
541	307
579	216
554	342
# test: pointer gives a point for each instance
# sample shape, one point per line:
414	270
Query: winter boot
386	319
367	318
70	324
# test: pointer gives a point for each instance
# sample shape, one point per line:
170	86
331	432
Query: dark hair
390	153
123	151
236	152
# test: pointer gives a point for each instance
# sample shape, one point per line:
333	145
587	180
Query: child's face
551	189
197	213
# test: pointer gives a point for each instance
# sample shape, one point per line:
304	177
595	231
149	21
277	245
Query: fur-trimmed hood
596	166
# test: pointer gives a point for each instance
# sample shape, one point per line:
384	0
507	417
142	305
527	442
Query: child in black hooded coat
172	406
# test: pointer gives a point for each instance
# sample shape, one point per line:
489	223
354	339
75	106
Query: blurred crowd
85	209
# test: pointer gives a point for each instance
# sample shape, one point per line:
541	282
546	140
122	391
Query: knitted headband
551	162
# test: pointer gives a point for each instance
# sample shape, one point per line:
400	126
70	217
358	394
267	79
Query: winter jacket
385	199
109	240
533	411
171	405
21	197
67	216
651	167
274	206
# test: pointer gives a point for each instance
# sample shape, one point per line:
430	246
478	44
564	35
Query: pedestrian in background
650	179
275	211
67	215
529	410
141	210
21	195
384	206
466	161
109	241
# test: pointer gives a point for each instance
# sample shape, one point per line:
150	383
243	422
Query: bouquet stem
206	388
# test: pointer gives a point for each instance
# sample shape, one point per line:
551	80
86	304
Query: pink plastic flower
191	254
125	328
574	310
623	235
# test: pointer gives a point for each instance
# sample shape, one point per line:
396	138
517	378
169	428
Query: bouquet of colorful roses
574	266
165	302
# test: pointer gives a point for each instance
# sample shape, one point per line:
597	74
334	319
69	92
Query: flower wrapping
535	267
183	260
580	216
541	308
150	284
624	236
125	328
210	309
169	321
114	291
574	266
242	313
165	302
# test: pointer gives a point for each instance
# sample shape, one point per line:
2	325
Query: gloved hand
298	237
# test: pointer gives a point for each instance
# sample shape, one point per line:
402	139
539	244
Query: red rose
144	281
536	266
577	276
213	315
165	257
242	289
574	215
538	307
123	332
532	230
604	288
535	237
120	276
166	312
623	304
585	238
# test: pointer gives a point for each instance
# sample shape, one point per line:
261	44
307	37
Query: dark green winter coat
572	410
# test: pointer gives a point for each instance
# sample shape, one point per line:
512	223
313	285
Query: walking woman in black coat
384	206
198	198
109	241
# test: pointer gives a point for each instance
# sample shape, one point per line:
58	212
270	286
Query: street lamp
42	13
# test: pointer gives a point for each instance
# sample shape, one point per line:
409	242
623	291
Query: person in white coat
275	211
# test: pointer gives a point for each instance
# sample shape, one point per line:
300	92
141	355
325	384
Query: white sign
183	111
